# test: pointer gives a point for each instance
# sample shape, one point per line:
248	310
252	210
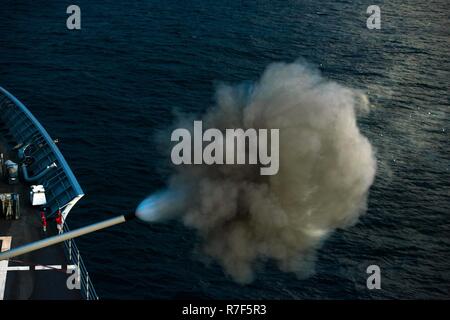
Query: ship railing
73	254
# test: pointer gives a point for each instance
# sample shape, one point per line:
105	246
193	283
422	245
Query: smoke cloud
326	169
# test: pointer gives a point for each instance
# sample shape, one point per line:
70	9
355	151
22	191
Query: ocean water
106	91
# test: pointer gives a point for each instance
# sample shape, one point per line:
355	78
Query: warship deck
37	275
40	274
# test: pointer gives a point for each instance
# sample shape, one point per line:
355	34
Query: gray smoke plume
326	169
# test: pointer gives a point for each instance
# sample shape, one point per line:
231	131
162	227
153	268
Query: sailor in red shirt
44	221
59	222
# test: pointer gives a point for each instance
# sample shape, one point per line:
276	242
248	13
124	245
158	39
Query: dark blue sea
107	90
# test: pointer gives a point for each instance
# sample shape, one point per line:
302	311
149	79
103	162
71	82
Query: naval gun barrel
64	236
